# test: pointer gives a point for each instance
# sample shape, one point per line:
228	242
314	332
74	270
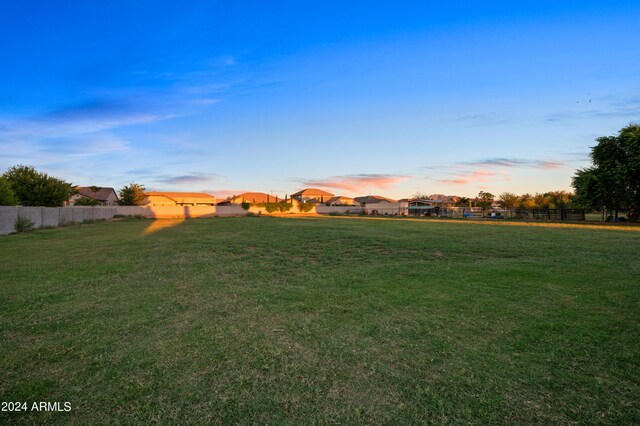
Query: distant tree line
547	200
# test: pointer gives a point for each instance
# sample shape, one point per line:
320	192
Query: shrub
305	207
285	207
128	216
245	205
275	207
24	224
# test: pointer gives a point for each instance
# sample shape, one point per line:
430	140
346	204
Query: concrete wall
391	209
56	216
34	214
50	216
233	210
8	216
322	209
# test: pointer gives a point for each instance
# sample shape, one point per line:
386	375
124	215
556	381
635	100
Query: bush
93	220
305	207
128	216
245	205
24	224
275	207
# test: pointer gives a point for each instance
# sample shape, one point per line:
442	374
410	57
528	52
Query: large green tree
7	196
486	199
33	188
508	200
132	195
613	181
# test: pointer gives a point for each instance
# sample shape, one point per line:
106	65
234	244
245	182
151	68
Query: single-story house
180	199
106	196
340	201
378	205
373	199
251	197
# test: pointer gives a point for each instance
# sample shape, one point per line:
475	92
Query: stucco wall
322	209
34	214
8	216
56	216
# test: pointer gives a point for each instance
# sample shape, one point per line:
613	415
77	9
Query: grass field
267	320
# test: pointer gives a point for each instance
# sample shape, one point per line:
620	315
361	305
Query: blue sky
355	97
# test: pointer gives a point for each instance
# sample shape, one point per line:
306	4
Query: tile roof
313	192
102	194
182	195
254	197
372	199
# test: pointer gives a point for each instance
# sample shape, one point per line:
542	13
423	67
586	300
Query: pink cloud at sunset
357	183
474	177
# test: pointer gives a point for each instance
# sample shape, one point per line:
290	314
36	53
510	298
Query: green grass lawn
267	320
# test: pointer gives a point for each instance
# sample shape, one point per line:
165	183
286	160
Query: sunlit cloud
471	177
357	183
517	162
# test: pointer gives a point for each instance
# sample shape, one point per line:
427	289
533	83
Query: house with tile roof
378	205
157	198
340	201
308	194
106	196
251	197
373	199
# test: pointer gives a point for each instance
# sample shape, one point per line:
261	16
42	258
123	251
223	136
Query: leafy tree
462	202
591	193
559	199
33	188
541	201
132	195
508	200
486	198
526	202
420	196
7	196
613	181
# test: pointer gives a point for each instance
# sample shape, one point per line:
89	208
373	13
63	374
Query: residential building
106	196
180	199
251	197
308	194
378	205
340	201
